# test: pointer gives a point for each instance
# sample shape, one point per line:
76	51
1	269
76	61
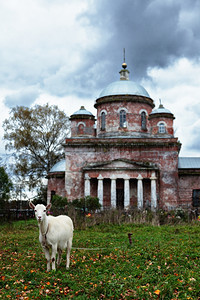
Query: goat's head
40	210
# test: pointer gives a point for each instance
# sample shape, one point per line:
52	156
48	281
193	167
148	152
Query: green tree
59	201
5	187
35	135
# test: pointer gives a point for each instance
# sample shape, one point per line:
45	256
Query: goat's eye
35	210
44	210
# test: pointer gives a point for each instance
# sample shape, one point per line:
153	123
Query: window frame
196	197
143	120
103	120
122	118
161	127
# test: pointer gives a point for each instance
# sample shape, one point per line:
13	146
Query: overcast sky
65	52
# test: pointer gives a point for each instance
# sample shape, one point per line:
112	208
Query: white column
113	192
126	192
48	196
100	190
87	185
153	192
139	192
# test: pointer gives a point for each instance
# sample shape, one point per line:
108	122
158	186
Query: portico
121	183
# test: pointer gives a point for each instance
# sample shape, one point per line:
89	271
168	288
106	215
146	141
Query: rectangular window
103	121
161	128
196	198
52	194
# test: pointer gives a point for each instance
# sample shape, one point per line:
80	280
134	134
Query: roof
160	110
124	87
58	167
82	111
183	163
189	163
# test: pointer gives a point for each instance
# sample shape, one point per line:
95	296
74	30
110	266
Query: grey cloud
83	82
150	31
24	97
153	33
194	145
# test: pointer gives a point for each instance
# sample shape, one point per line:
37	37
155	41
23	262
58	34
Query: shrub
86	204
58	201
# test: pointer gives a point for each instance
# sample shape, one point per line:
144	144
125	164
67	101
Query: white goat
55	233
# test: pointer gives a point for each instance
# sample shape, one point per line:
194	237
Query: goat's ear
48	206
31	205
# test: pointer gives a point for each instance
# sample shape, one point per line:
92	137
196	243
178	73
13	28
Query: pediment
120	164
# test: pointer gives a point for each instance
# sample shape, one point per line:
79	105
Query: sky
64	52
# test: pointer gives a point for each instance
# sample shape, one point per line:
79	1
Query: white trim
122	108
143	110
161	122
103	111
81	123
159	127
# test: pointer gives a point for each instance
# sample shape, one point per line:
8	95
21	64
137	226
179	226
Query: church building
127	156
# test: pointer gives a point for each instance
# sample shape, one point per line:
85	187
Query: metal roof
160	111
59	167
82	111
124	87
189	163
183	163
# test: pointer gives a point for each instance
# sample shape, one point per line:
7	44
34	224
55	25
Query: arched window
103	121
122	118
81	129
143	121
161	127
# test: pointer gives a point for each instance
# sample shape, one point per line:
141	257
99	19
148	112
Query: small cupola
82	123
161	121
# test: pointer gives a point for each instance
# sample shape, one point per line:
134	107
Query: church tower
130	160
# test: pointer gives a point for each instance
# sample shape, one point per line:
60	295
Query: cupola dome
82	123
81	112
161	121
161	110
124	87
123	108
58	167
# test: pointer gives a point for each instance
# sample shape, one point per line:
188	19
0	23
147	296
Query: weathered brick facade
129	159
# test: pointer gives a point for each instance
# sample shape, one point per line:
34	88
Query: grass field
163	262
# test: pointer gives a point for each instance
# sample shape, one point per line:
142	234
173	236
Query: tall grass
83	220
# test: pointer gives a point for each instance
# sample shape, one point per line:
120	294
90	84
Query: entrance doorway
120	193
120	198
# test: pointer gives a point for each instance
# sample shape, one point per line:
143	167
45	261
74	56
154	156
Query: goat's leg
69	246
47	255
59	256
53	256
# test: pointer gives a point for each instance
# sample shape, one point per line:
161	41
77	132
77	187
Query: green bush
86	204
58	201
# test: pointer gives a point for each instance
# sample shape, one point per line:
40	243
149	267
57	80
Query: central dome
124	87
